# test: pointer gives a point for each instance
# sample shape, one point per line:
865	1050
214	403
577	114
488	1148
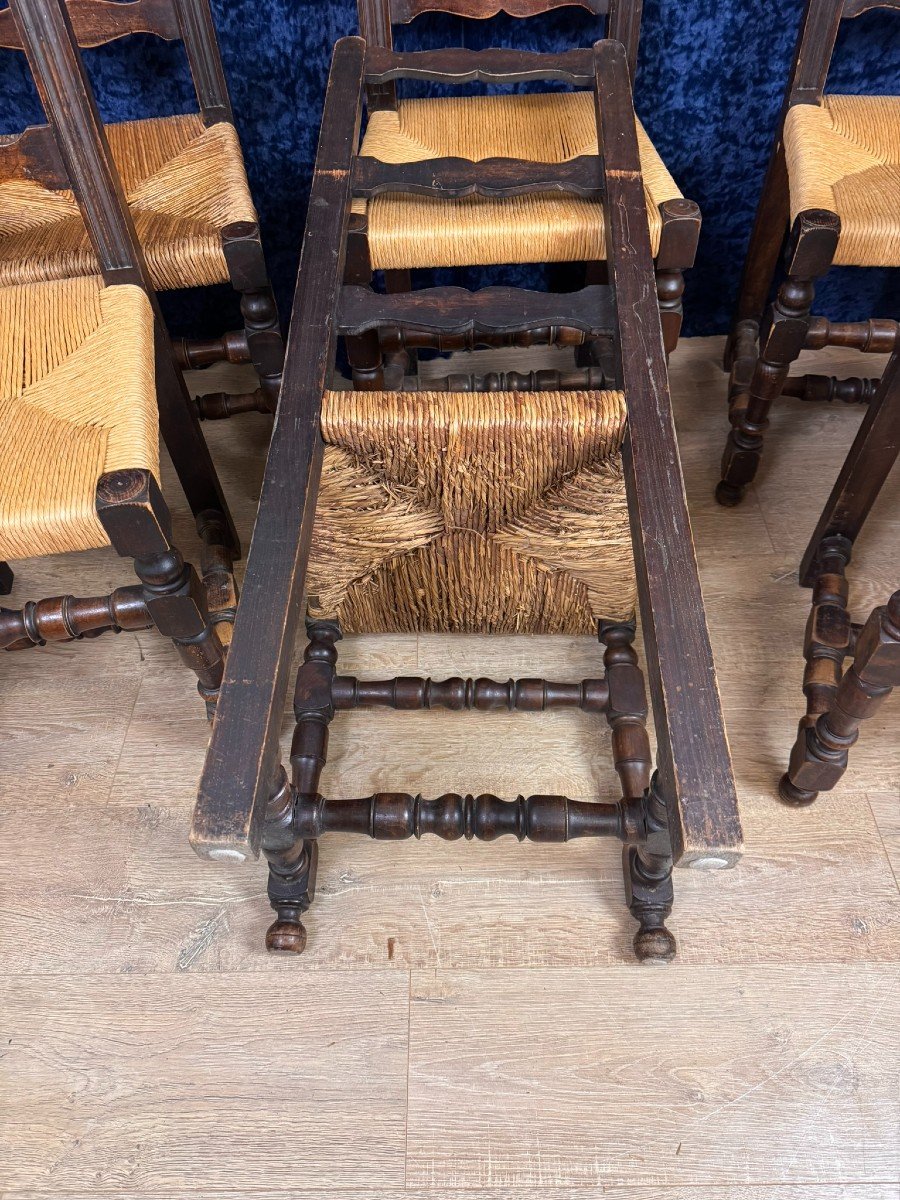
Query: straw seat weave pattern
183	183
77	399
844	156
472	512
407	231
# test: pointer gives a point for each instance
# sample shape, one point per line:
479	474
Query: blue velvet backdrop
709	87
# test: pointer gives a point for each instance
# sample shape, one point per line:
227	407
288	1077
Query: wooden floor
467	1023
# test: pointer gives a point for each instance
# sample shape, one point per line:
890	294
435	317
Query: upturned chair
839	700
472	510
185	183
87	379
520	222
833	177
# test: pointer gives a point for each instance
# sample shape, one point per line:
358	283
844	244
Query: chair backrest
815	46
623	17
96	22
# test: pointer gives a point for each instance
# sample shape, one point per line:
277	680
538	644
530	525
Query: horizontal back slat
404	11
99	21
855	8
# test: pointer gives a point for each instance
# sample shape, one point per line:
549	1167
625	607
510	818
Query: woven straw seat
844	156
487	512
77	399
183	182
407	231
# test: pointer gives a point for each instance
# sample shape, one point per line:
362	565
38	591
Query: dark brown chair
398	232
473	510
838	700
833	178
185	183
87	381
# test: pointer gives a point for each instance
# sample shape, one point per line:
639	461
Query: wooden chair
87	380
185	183
838	700
469	510
516	224
832	176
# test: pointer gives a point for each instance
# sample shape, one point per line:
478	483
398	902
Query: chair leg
813	243
243	251
647	868
136	519
766	240
292	861
819	757
677	249
6	579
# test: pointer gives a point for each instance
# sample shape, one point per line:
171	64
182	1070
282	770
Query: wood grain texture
798	1073
736	1192
175	1097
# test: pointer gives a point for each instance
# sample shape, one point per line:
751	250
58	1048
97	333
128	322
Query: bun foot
794	796
287	936
728	495
654	945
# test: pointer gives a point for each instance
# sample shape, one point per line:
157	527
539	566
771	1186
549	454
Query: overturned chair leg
133	513
647	867
810	253
819	757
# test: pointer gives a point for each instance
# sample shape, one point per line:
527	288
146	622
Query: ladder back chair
838	700
396	230
87	380
185	184
832	187
471	510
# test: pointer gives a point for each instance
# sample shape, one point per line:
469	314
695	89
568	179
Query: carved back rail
97	22
623	24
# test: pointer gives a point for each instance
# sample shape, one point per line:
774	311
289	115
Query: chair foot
654	945
287	934
729	495
649	898
794	796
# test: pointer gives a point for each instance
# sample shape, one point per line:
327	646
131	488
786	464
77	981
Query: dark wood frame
838	700
129	505
688	812
33	155
759	352
680	218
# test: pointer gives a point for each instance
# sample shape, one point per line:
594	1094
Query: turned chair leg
811	251
293	861
647	867
131	509
243	251
677	249
819	757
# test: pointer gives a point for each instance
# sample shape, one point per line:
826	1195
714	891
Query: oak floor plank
163	1084
736	1192
764	1075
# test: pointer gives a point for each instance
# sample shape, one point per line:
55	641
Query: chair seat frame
688	812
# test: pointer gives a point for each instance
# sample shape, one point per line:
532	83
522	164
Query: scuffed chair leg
648	885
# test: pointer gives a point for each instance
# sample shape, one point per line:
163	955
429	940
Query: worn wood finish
33	155
97	22
455	177
480	695
68	618
198	33
493	312
240	772
478	66
820	755
695	772
864	473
